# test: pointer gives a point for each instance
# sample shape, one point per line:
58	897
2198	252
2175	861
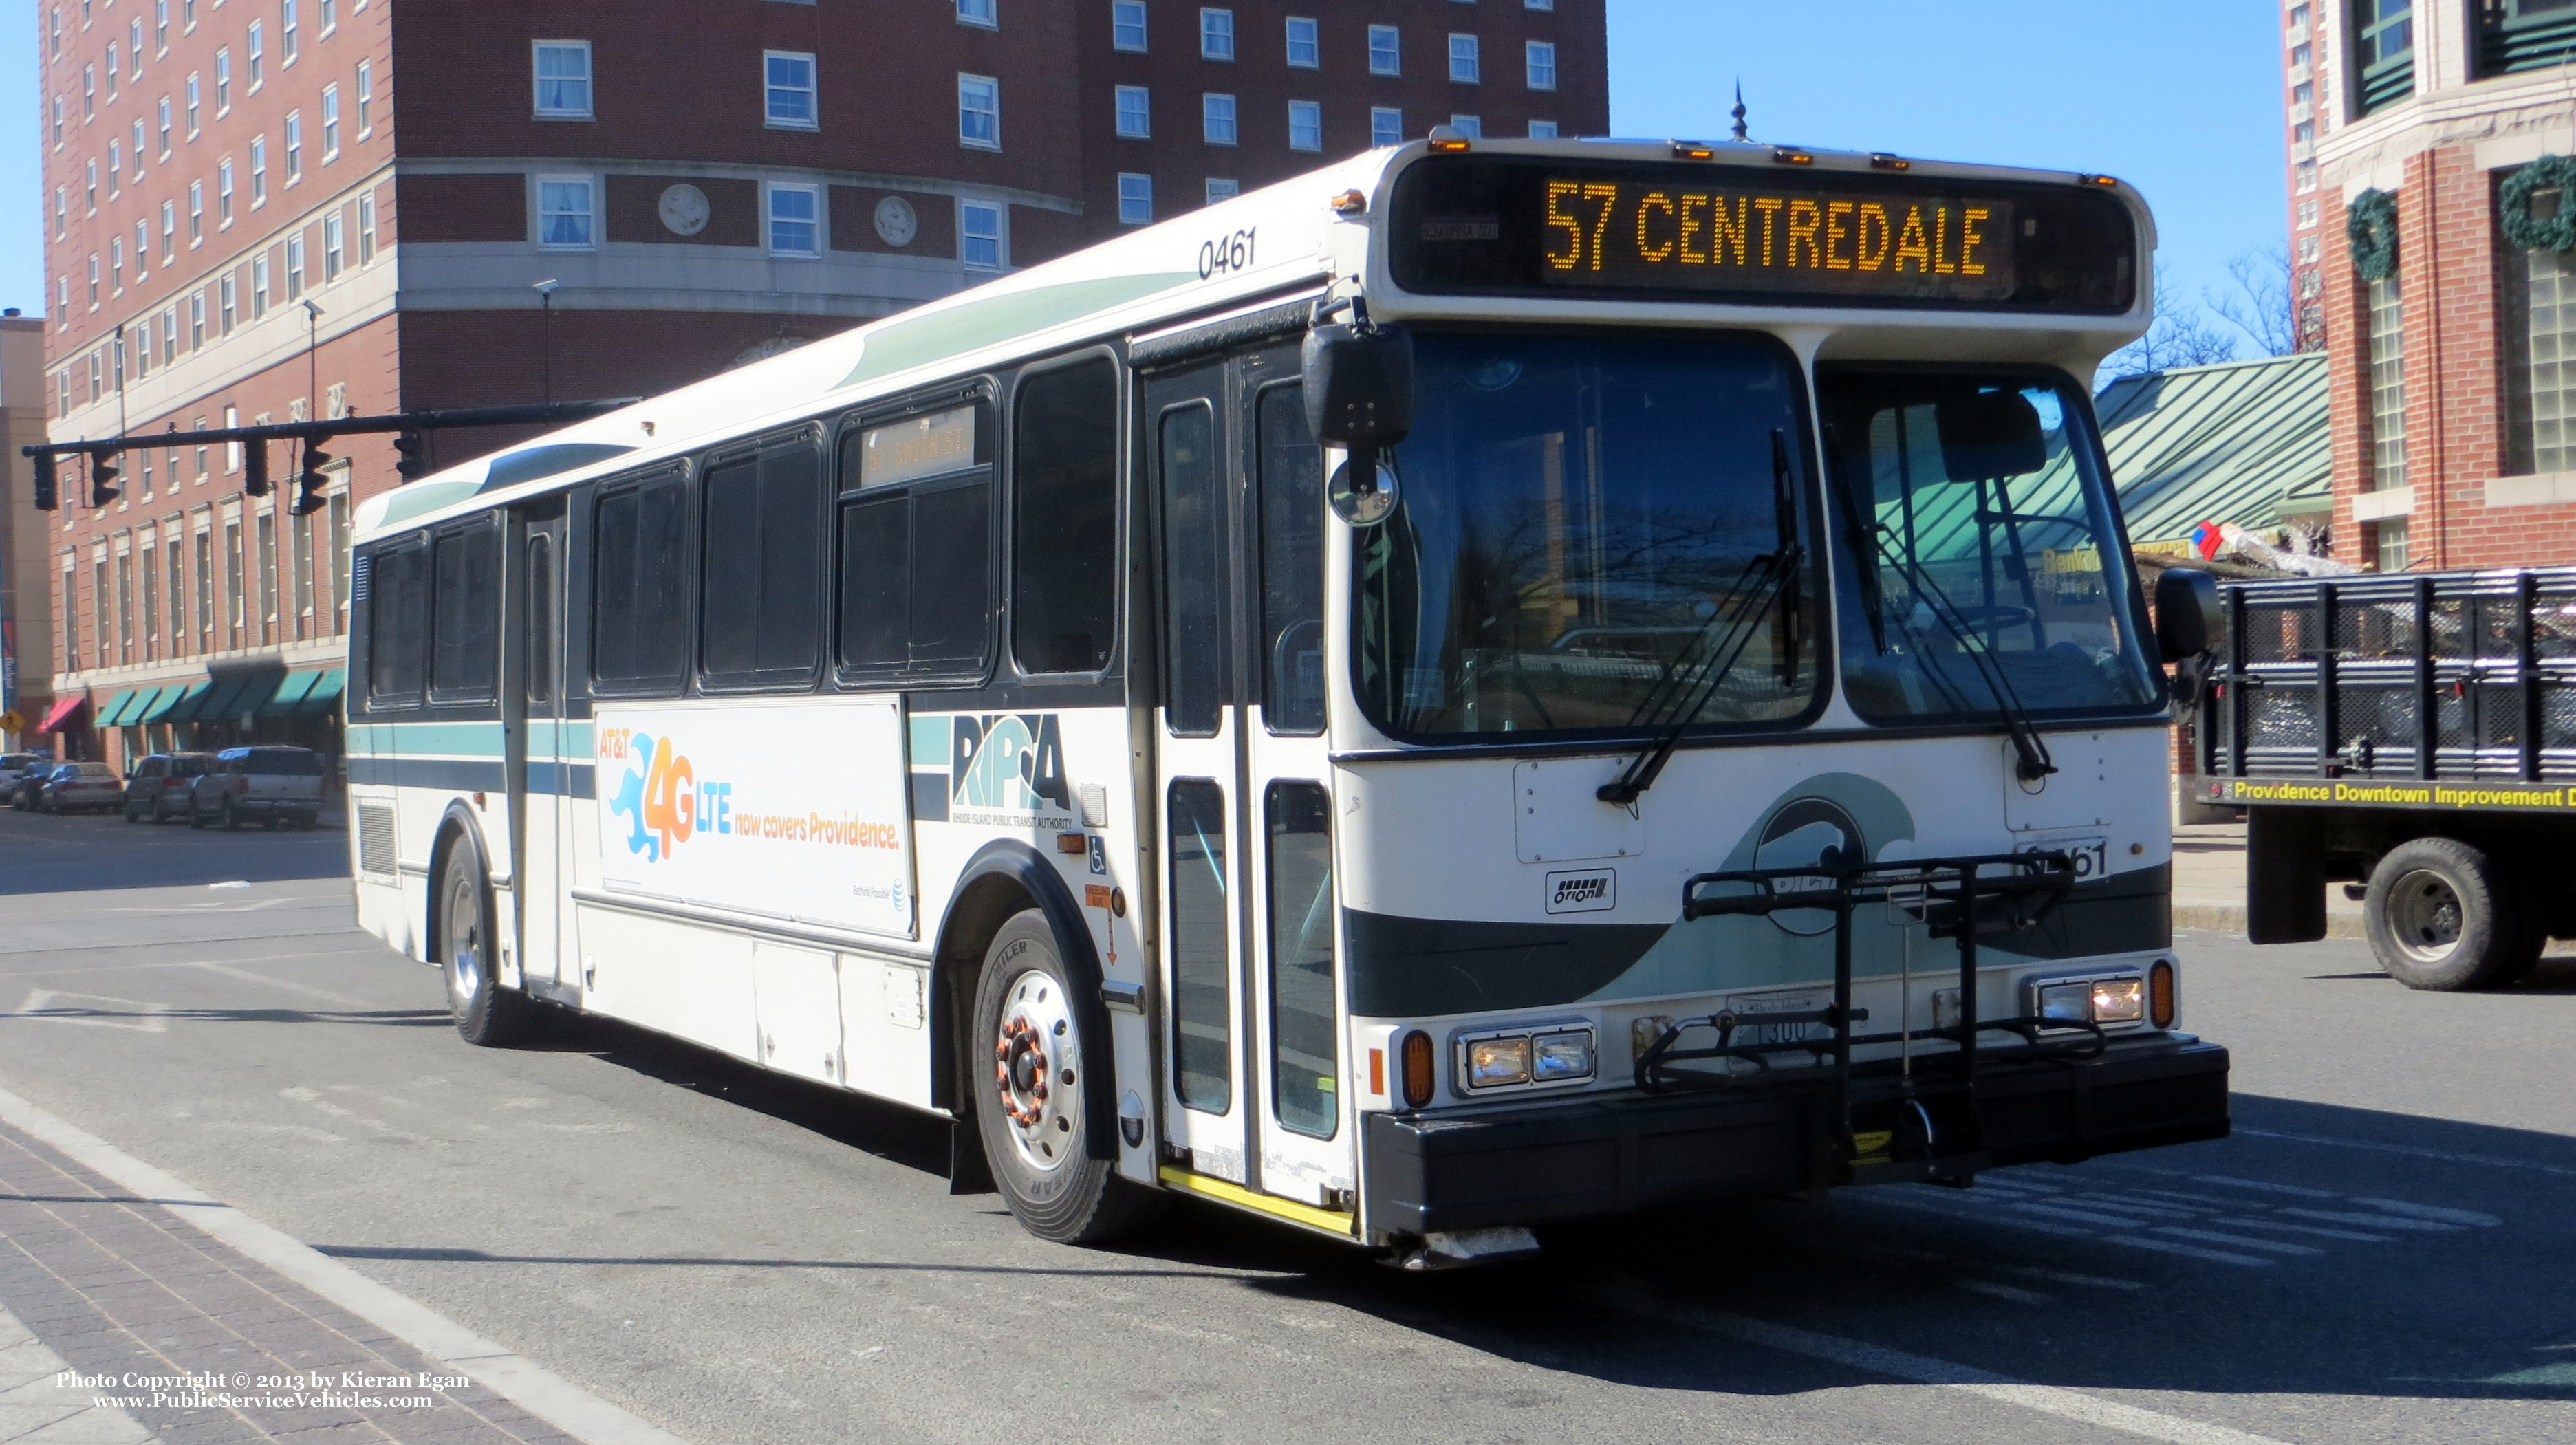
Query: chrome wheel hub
1037	1071
2424	917
465	961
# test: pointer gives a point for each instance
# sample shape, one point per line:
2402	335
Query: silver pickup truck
280	786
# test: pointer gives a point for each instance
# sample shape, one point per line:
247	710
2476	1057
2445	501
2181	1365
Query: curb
2230	918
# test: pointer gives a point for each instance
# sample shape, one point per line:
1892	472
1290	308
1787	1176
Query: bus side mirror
1359	395
2188	617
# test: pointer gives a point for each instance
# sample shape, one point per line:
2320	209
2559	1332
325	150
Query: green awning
113	715
290	691
324	698
223	700
178	704
147	701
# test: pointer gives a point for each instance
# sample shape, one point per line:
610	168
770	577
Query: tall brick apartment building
2454	416
275	210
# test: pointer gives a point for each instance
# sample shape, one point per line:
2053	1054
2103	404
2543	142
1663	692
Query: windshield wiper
2029	748
1765	578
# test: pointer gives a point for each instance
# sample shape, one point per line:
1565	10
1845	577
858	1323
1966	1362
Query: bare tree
2259	306
2180	336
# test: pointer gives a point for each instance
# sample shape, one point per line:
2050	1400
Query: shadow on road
53	853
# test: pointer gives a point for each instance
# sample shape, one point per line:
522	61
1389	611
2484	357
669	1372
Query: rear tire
487	1014
231	820
1026	1062
2441	916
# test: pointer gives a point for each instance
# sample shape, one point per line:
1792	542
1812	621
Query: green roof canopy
178	704
2242	442
290	691
324	697
113	715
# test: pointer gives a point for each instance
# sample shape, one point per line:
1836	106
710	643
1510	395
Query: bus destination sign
1535	225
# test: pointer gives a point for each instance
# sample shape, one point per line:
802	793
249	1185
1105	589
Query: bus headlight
2066	1003
2104	1000
1494	1062
2119	1001
1566	1055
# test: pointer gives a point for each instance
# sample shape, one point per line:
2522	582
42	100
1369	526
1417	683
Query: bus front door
1253	1071
539	759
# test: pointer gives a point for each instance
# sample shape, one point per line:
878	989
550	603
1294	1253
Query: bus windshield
1593	532
1977	519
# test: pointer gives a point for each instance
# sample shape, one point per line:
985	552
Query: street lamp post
546	334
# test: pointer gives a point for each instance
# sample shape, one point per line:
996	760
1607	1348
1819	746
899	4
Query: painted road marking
2191	1251
2352	1234
2491	1161
2266	1186
2431	1211
2212	1236
2014	1293
1632	1297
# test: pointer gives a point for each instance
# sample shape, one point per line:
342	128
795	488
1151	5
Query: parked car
14	766
160	785
31	785
279	785
83	787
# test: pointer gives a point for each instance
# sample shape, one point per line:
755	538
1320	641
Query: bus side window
1292	565
1064	576
916	597
639	573
541	619
1194	607
397	623
762	586
466	660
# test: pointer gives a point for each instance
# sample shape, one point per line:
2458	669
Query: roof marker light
1691	150
1350	203
2103	180
1882	161
1791	156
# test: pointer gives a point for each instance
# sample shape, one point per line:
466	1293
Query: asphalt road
2381	1254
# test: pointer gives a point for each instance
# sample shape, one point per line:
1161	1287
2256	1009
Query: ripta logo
1808	832
1008	763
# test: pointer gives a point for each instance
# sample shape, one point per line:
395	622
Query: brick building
2454	424
279	210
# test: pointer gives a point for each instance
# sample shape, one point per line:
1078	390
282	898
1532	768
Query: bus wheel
486	1013
2441	916
1027	1058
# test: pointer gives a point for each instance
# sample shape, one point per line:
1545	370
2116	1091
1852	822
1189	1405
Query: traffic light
411	455
102	478
311	481
255	467
47	493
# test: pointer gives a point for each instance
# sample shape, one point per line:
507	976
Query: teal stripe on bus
929	736
570	740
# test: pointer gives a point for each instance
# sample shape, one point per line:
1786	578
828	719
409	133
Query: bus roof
1276	244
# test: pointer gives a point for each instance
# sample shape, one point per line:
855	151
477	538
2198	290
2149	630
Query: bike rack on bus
1955	897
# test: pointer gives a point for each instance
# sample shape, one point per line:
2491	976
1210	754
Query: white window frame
196	214
988	14
195	95
769	194
294	137
258	171
1543	130
255	55
335	252
1539	59
1217	110
1466	59
1470	126
991	93
1219	188
223	83
1314	42
812	90
161	123
1140	193
330	123
590	216
1000	212
1135	112
1307	109
366	99
537	78
1119	11
1216	28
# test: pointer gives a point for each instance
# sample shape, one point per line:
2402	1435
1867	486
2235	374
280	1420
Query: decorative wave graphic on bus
1007	769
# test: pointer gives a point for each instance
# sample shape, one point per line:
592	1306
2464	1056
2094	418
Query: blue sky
2179	97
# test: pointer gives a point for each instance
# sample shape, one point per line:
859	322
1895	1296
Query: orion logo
1591	891
1009	762
1808	832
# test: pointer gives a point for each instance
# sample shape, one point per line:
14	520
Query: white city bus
1492	683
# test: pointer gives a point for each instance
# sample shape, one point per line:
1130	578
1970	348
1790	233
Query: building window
1305	44
1127	25
2387	386
980	241
93	284
1468	126
1305	125
366	228
294	147
259	286
89	92
979	112
111	70
1464	67
1542	65
196	214
58	122
331	248
169	231
2520	35
256	54
286	32
223	83
2307	214
366	99
564	213
138	150
1217	113
1386	51
1538	4
795	228
161	126
1222	190
562	80
1216	34
330	14
2383	52
226	310
196	323
330	124
294	266
258	171
2388	544
1542	130
787	79
2540	358
978	12
1135	112
1135	199
89	182
192	105
115	166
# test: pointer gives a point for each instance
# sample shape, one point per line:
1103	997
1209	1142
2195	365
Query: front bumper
1617	1153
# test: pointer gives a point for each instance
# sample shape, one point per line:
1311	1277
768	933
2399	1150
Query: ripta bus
1492	683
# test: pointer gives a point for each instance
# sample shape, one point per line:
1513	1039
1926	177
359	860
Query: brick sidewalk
113	1285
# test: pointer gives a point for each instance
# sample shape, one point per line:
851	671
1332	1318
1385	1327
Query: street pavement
2380	1254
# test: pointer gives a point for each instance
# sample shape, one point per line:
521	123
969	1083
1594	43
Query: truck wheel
2442	916
486	1013
1029	1106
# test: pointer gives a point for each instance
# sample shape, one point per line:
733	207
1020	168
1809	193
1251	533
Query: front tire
487	1014
2441	916
1027	1059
